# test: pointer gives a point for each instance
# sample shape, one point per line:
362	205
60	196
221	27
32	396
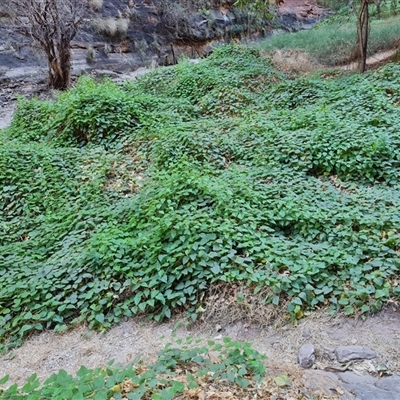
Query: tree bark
59	61
362	32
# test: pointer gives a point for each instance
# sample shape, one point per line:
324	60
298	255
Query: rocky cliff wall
124	35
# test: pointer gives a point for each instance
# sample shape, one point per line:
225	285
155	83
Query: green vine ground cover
120	200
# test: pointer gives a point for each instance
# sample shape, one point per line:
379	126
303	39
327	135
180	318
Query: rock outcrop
124	35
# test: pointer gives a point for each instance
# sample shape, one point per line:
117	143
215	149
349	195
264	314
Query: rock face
122	35
306	356
298	14
349	353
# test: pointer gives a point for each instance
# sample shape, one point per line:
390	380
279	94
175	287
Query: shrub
292	185
90	113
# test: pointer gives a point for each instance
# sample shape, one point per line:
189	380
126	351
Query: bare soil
374	60
137	338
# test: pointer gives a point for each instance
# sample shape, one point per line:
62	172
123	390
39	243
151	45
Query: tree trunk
59	60
362	31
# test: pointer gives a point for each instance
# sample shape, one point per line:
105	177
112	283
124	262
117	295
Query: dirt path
372	61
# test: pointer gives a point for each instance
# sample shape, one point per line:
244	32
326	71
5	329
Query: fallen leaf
282	380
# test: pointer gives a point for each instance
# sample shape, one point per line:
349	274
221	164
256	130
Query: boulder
306	355
348	353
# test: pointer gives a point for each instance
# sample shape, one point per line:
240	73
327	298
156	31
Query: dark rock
290	22
363	387
306	356
348	353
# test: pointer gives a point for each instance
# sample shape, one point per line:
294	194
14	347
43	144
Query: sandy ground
136	338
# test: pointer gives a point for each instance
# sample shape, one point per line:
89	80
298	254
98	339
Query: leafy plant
236	362
231	360
134	199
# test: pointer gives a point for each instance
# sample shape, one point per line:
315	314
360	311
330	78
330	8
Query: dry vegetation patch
293	62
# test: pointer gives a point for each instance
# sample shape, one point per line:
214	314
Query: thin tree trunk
362	30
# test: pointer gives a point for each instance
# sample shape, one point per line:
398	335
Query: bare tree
361	9
53	24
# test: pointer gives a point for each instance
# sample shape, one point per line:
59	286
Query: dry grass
375	61
208	388
90	55
229	303
111	27
268	389
107	26
294	62
122	26
95	5
229	310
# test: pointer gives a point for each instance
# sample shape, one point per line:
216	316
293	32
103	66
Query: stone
351	378
234	330
349	353
306	332
365	391
329	352
390	384
306	355
322	383
102	73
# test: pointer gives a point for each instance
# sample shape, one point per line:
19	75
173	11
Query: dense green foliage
122	200
178	368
